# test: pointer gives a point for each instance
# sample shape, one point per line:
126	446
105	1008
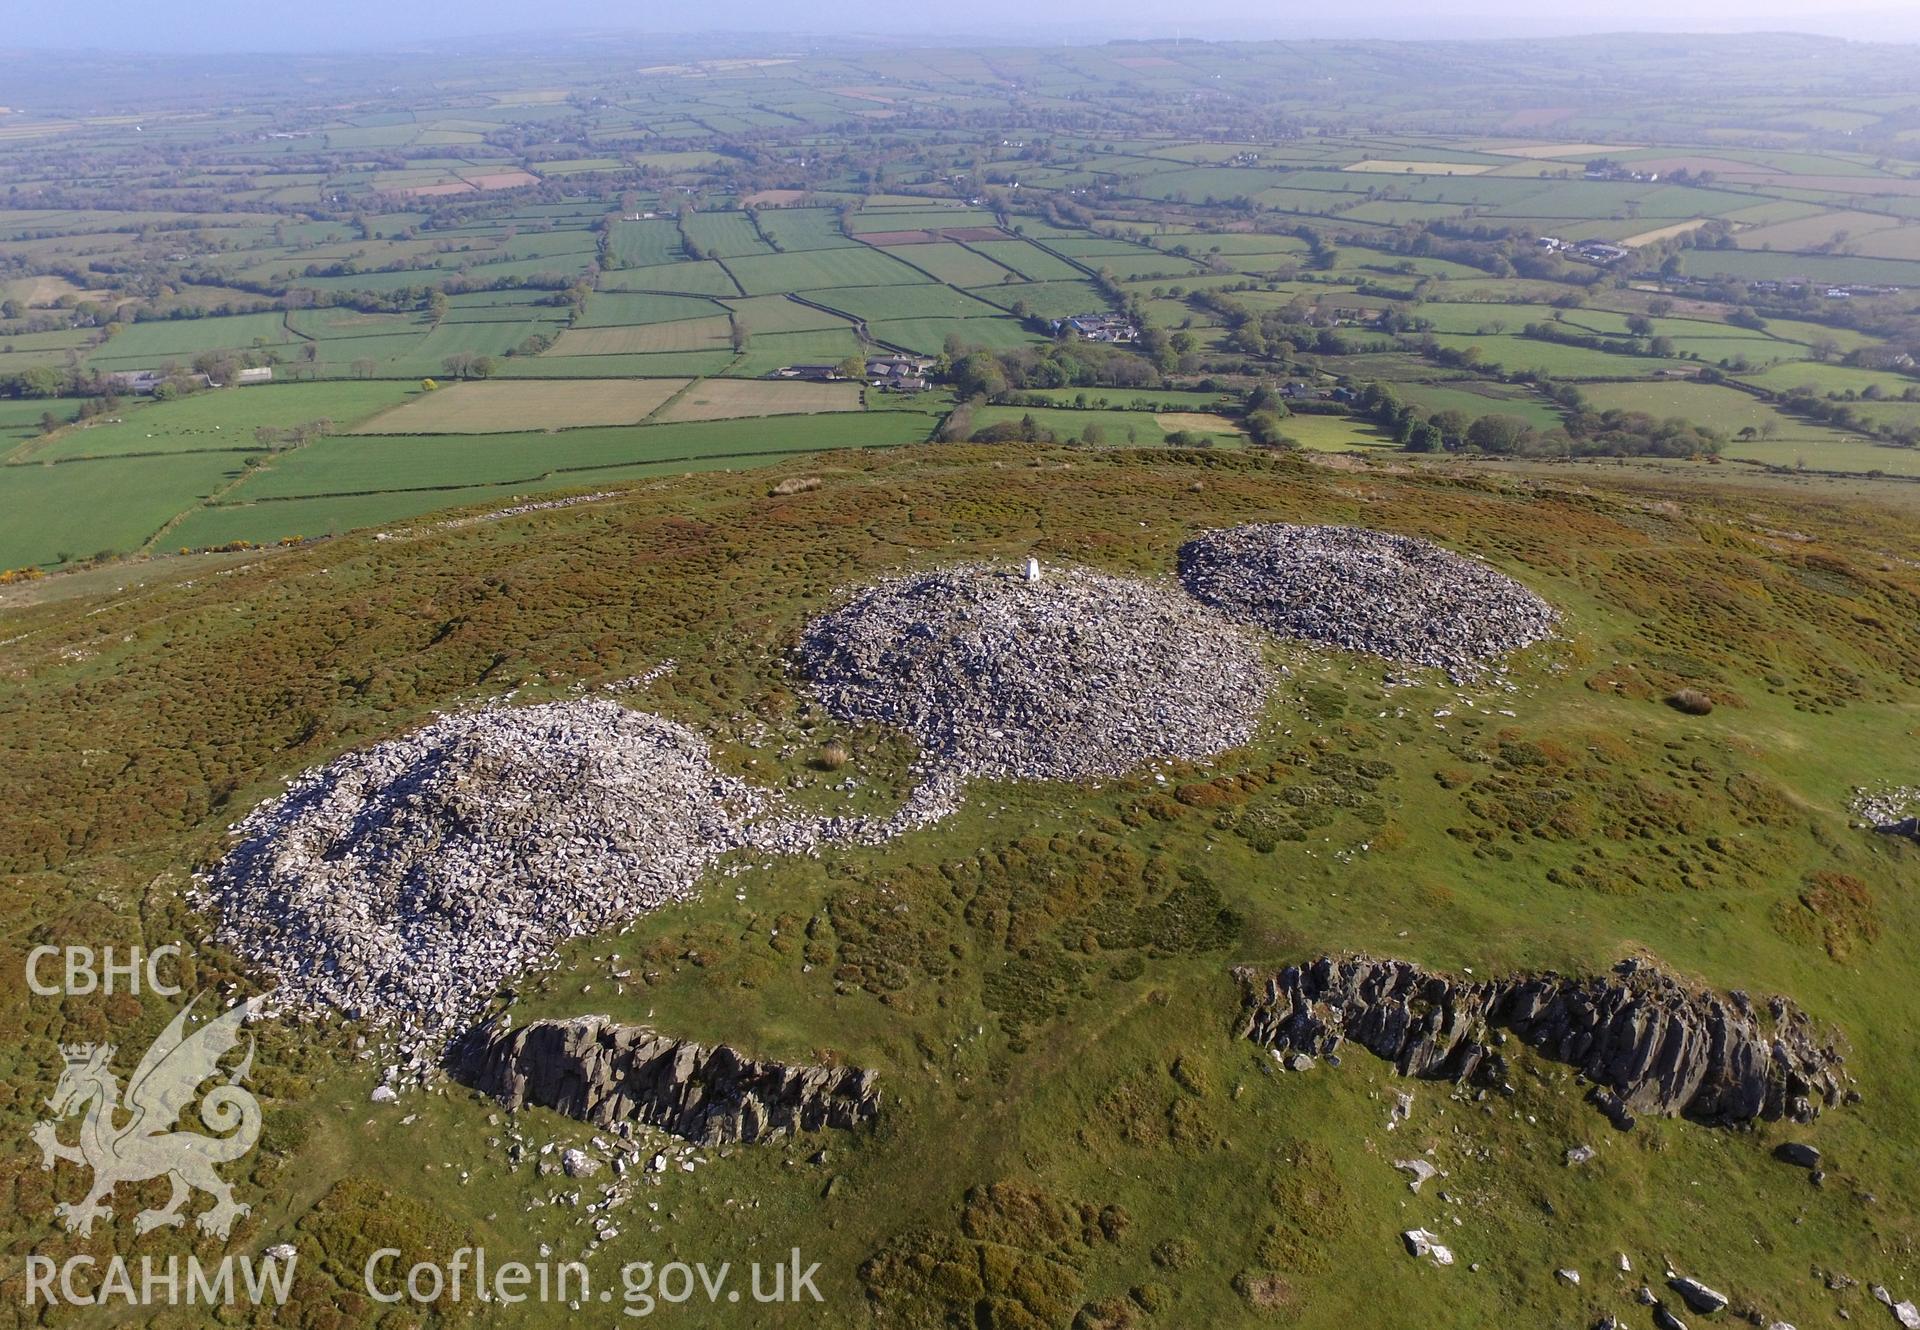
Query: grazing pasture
725	399
506	407
706	334
820	269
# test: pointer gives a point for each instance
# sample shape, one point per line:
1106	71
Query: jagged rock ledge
1650	1044
604	1073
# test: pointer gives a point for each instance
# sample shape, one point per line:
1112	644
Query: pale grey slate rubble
407	882
1892	810
600	1072
1392	596
1074	675
1649	1044
411	879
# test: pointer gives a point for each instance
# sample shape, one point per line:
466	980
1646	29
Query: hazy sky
238	25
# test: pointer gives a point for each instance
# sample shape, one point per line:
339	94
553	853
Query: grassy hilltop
1071	1134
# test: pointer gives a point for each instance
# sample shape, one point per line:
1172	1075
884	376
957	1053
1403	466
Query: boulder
1419	1168
1697	1295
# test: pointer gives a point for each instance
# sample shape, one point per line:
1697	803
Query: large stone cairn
1649	1044
1393	596
406	882
1065	676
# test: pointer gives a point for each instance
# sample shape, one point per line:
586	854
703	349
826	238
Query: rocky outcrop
1650	1044
600	1072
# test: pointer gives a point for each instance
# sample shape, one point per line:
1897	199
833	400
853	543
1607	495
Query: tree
853	367
1424	437
978	374
363	368
1499	435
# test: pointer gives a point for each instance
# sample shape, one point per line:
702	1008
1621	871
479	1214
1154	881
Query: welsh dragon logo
135	1140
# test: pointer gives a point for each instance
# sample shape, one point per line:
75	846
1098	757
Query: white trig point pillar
1033	569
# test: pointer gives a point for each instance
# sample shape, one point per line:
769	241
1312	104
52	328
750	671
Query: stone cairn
406	883
1069	675
1392	596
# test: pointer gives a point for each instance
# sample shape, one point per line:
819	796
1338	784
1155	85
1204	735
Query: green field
1071	946
1111	427
819	269
343	465
74	510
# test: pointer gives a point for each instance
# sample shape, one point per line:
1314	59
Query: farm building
145	382
1099	327
899	374
259	374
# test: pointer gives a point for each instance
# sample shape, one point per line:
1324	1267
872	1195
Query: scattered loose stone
1392	596
1077	674
1568	1276
1422	1243
1419	1168
1798	1154
1666	1320
1697	1295
383	1094
1579	1154
1893	810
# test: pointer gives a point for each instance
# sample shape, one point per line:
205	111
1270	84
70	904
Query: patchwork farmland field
499	432
724	399
1353	274
498	408
684	335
